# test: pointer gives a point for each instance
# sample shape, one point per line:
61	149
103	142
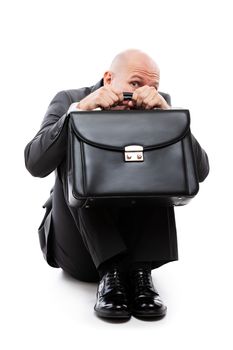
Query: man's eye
135	83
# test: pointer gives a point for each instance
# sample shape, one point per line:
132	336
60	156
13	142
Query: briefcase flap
116	129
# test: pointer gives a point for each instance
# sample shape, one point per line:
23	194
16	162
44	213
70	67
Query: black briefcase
131	157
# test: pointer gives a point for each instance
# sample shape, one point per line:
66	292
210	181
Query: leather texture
97	170
111	296
144	297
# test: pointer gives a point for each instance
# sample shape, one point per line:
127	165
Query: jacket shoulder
166	96
77	94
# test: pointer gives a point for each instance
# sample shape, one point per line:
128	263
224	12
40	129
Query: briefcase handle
127	95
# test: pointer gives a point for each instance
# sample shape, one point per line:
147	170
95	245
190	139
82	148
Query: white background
48	46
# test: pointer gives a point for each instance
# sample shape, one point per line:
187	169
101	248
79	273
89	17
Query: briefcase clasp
134	153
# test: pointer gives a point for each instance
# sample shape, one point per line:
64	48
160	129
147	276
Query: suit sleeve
48	147
201	157
202	160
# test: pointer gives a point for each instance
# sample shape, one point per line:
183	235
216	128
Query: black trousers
84	238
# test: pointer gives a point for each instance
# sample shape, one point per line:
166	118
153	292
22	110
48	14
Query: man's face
131	77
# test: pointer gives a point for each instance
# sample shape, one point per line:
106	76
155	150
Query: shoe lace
115	280
143	281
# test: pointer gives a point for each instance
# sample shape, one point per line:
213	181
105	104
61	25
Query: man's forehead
143	75
142	69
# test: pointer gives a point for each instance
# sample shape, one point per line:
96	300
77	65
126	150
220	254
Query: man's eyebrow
136	76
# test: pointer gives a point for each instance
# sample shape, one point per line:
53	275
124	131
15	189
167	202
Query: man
118	247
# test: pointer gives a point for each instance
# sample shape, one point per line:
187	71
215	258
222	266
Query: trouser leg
149	234
83	238
69	249
100	233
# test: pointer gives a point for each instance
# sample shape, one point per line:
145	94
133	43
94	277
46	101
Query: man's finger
150	100
137	99
118	93
140	94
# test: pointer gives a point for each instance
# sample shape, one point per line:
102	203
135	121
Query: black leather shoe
112	296
145	299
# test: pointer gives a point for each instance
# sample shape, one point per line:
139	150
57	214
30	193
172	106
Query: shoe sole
149	314
110	314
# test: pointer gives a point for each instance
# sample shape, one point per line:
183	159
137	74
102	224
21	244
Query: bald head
131	57
131	69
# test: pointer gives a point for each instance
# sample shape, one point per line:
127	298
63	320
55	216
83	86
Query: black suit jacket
46	151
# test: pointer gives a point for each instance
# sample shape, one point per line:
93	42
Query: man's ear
107	77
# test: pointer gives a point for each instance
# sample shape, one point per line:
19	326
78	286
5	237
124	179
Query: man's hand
104	97
147	97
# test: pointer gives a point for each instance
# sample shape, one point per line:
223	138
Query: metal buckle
134	153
